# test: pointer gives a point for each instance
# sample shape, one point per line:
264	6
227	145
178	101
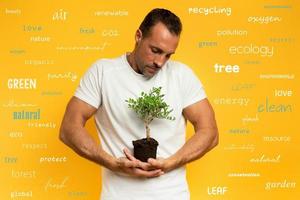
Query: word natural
19	115
40	39
264	159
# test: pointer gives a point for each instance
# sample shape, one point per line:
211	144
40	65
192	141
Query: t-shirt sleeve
192	88
89	89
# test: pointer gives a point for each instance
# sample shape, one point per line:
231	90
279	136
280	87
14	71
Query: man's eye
154	50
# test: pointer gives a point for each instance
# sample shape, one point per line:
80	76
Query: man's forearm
195	147
83	144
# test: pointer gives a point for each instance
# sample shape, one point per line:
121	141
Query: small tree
150	106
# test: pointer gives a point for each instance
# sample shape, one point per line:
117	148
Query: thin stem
147	130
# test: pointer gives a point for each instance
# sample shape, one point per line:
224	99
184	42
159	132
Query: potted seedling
148	107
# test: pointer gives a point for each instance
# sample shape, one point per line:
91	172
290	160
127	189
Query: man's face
153	51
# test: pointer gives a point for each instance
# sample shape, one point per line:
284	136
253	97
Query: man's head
156	40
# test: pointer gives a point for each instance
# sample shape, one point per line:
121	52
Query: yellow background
82	177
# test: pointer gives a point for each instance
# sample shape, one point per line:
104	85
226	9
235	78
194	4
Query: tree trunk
147	131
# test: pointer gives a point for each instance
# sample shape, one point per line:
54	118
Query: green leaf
150	105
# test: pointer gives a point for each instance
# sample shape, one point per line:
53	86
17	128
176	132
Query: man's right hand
134	167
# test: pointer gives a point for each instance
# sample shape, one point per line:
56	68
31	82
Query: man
102	92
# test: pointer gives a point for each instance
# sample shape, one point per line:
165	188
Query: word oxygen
19	115
263	51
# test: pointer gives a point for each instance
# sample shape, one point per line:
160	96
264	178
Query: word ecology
263	51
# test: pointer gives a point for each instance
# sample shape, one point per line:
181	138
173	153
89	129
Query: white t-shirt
106	85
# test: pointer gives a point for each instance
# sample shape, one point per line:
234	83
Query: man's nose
159	60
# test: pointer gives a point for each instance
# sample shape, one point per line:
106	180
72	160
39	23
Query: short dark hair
169	19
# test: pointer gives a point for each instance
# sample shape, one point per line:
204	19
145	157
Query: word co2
110	33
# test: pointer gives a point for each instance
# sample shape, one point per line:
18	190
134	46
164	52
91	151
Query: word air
60	15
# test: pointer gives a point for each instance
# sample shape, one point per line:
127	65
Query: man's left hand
165	165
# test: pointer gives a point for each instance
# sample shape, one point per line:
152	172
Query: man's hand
165	165
134	167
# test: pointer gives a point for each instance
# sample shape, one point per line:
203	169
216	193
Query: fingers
128	155
144	166
130	167
124	162
135	167
147	174
140	164
154	163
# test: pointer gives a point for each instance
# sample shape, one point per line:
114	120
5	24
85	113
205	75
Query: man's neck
132	63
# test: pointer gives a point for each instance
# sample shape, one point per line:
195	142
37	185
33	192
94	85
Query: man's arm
74	135
202	116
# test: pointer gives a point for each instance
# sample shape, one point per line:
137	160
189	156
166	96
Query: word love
283	93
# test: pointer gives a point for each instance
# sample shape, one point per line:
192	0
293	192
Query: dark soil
144	149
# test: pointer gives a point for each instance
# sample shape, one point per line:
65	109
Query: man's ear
138	36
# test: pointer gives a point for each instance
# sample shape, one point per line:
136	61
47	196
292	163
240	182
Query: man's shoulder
108	62
177	66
